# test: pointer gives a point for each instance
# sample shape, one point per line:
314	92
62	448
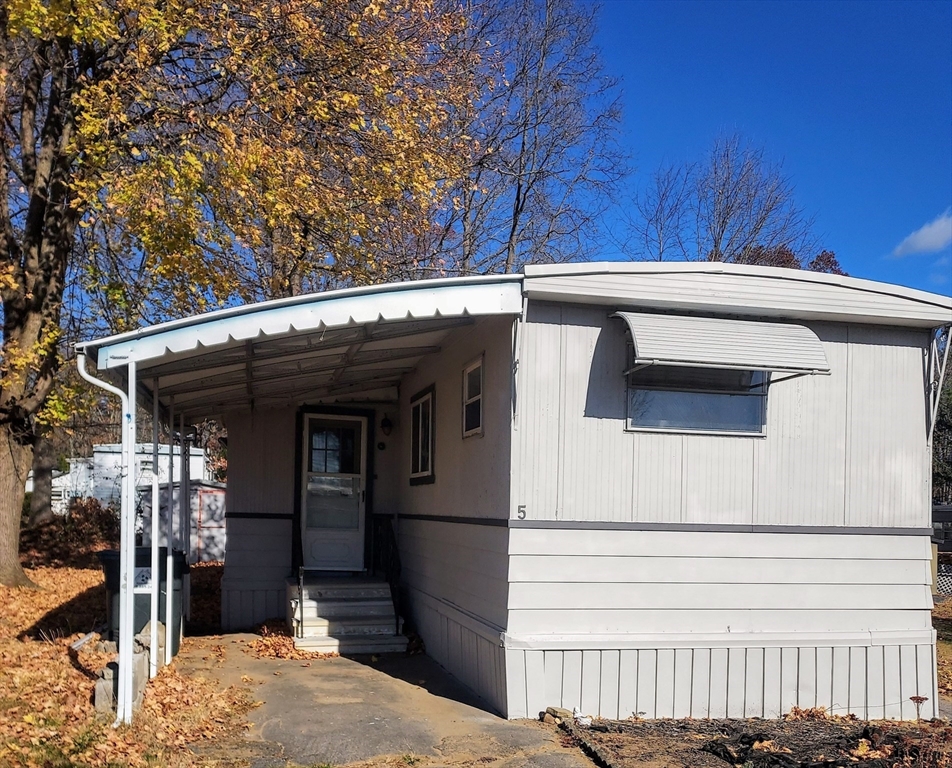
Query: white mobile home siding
845	449
677	553
452	533
260	502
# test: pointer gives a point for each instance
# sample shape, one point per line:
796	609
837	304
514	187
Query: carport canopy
353	343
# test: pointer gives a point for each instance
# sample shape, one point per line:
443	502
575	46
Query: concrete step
343	589
332	607
356	644
348	625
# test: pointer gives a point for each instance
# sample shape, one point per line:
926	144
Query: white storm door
333	492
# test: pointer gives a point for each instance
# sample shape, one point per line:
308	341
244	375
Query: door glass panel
333	502
334	449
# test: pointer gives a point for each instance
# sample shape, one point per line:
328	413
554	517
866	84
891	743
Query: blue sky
855	98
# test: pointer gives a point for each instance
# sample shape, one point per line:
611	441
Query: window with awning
696	374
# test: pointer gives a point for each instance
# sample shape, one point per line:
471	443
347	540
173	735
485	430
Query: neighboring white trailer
207	529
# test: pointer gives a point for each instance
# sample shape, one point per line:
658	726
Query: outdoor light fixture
386	426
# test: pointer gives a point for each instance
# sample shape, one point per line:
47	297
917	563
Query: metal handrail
299	630
386	561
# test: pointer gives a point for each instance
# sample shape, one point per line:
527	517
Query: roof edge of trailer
719	288
292	301
750	270
558	281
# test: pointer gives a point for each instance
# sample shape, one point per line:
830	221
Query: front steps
344	614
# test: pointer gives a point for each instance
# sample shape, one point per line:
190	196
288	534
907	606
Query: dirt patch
804	740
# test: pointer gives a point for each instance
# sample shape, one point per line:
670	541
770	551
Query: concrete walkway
395	710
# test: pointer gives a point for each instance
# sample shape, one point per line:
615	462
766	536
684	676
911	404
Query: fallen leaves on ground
276	643
47	719
205	590
942	621
69	600
72	539
808	739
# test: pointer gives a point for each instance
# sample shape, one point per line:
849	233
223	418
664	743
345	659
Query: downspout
126	558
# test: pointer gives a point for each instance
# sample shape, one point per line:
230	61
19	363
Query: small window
422	410
473	398
334	450
676	399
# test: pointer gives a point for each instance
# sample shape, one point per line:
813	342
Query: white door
333	492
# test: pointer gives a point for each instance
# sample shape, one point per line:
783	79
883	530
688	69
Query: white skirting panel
257	565
466	647
244	605
871	682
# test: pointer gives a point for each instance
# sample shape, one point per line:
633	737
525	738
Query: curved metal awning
348	344
710	342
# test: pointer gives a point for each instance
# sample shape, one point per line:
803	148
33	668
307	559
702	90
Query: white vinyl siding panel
704	624
722	544
261	482
591	486
464	564
799	470
454	573
472	475
261	456
602	581
889	467
846	449
537	440
722	343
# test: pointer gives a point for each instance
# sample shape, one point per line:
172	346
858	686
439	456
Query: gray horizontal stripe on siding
493	521
602	525
257	516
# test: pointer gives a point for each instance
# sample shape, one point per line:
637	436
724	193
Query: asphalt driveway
386	710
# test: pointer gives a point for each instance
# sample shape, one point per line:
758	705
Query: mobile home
670	489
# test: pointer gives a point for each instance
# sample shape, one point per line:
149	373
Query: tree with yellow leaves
177	155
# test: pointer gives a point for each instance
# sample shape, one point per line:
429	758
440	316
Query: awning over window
720	343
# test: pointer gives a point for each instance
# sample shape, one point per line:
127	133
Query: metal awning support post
183	488
127	534
937	372
185	508
127	555
154	534
169	540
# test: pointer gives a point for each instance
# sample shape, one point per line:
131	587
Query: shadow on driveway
344	710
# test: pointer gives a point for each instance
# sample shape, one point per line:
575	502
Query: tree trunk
41	502
15	461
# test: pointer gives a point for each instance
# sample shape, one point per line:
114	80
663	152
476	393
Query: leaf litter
47	718
805	738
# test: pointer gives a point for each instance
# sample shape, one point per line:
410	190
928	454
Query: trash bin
110	565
